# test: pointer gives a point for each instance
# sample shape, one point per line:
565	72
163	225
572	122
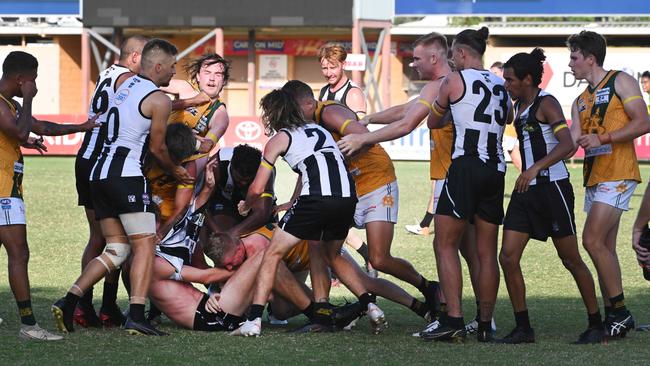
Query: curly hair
280	110
246	159
208	59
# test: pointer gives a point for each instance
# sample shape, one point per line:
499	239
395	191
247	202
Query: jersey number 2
321	138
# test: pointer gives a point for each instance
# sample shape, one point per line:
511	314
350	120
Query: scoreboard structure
217	13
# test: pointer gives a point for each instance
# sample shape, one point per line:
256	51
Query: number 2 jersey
479	118
127	132
313	153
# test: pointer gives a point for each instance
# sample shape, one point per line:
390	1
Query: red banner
241	130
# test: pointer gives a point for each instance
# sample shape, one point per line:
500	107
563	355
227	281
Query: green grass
57	233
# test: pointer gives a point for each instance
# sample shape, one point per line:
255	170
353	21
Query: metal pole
195	45
85	70
218	41
356	48
251	72
385	67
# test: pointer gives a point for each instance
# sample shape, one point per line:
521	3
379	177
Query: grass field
57	233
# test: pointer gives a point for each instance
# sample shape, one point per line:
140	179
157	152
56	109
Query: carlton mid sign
241	130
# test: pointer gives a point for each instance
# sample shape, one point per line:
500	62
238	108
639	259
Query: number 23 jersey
479	118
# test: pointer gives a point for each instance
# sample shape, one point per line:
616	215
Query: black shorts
545	210
214	322
320	218
115	196
82	168
472	188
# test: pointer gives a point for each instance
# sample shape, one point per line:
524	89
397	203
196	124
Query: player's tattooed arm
57	129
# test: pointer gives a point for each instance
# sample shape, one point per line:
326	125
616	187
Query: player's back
127	131
479	117
101	100
313	153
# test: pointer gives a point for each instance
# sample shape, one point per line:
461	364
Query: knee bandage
117	253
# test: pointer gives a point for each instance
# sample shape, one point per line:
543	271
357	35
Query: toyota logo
248	130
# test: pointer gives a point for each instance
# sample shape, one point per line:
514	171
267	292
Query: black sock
309	311
153	311
618	304
478	310
419	307
109	298
366	299
426	221
443	307
608	310
363	251
522	320
255	311
423	285
322	313
26	312
454	322
485	326
595	320
71	301
136	312
86	300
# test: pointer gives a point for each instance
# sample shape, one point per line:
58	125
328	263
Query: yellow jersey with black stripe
198	117
164	186
371	169
601	111
11	160
297	259
442	140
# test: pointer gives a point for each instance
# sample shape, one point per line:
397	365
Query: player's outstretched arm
352	143
439	115
57	129
389	115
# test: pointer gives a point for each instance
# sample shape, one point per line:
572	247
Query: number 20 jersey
313	153
127	132
479	118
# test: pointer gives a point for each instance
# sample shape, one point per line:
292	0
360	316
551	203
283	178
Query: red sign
241	130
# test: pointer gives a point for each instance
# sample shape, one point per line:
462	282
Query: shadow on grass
557	322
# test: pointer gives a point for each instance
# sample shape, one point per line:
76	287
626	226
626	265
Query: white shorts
509	143
437	192
13	211
616	194
378	205
175	262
